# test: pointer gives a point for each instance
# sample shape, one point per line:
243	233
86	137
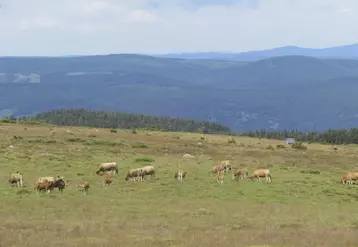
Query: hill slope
346	51
303	206
280	92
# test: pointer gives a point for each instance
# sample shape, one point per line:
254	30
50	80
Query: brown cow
43	186
16	178
83	187
106	167
240	173
107	181
261	173
180	175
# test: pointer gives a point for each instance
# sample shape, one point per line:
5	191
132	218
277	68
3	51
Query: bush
270	147
231	140
139	145
144	159
299	145
280	146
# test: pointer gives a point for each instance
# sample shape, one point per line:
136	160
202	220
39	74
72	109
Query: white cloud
52	27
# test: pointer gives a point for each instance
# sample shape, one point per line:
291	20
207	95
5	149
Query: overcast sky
64	27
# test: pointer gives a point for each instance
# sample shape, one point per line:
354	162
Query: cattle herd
47	184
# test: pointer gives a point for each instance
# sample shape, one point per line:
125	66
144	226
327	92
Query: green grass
303	206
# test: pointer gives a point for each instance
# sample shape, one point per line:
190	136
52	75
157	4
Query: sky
74	27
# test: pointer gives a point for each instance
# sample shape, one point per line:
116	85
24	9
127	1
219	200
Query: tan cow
148	170
16	178
53	179
135	174
218	169
180	175
226	165
83	187
349	177
108	167
220	177
240	173
261	173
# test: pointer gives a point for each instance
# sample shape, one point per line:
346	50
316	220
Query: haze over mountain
346	51
300	92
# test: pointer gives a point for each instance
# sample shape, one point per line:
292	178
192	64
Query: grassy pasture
301	207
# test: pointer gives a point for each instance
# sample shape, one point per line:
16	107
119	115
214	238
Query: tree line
106	119
331	136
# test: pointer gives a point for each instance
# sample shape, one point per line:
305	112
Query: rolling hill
346	51
300	92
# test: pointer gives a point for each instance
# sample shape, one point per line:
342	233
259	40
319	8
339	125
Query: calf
220	177
107	181
240	173
16	178
261	173
83	187
180	175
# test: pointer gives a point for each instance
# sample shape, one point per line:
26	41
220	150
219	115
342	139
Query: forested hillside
292	92
102	119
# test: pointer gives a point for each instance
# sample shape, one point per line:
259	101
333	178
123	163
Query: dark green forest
102	119
331	136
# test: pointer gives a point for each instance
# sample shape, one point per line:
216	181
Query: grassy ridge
302	207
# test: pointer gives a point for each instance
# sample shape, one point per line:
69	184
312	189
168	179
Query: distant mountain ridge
346	51
285	92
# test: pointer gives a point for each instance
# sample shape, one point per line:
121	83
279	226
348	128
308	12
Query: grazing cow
226	165
220	177
107	181
107	167
60	184
240	173
135	174
349	177
180	175
261	173
43	186
148	170
218	169
16	178
53	179
83	187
